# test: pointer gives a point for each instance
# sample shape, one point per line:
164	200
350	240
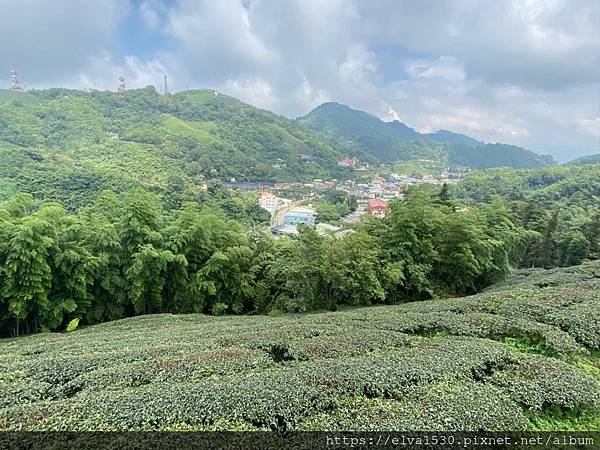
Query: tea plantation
524	354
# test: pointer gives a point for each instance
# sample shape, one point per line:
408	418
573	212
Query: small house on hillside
348	162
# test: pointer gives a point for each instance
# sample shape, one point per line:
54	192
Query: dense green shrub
446	405
539	383
417	366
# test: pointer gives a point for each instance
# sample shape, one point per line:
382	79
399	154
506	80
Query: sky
523	72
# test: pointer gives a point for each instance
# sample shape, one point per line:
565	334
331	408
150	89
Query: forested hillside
361	133
561	204
69	145
589	159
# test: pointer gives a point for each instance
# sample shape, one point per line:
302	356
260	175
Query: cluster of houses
379	188
287	217
372	198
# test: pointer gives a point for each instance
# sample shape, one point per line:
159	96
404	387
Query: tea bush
499	360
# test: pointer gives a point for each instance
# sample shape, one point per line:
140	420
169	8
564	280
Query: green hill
25	98
588	159
361	133
522	355
560	203
68	145
569	184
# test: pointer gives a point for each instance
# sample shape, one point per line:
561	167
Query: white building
267	201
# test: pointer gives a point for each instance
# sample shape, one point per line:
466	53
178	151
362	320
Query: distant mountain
453	138
360	133
584	160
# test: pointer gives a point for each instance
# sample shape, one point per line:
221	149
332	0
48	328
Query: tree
444	194
73	268
352	276
591	231
101	238
464	251
27	273
573	248
409	228
147	276
546	254
141	221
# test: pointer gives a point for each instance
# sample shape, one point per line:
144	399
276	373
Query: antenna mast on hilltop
15	84
166	90
122	88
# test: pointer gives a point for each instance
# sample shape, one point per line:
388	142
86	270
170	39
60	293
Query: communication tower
15	84
122	88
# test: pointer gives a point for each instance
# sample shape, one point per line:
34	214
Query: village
292	204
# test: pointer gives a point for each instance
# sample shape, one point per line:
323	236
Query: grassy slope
514	357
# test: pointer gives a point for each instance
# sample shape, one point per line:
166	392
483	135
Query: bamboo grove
127	256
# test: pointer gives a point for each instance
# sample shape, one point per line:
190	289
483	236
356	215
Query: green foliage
429	245
72	325
333	205
557	419
540	383
559	204
116	259
69	145
129	256
360	369
589	159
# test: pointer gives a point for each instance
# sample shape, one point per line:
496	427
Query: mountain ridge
57	143
389	141
585	160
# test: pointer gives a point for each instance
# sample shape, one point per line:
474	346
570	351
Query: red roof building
377	207
347	162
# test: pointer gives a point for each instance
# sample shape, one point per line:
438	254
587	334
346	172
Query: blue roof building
297	216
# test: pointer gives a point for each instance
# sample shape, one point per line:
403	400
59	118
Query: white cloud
217	39
359	67
590	126
50	40
445	67
539	43
307	97
255	91
151	12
